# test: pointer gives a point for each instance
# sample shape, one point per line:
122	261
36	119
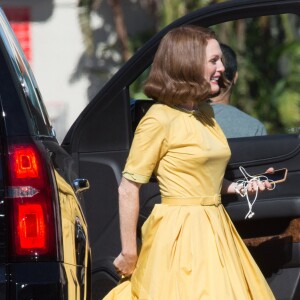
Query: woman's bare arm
129	210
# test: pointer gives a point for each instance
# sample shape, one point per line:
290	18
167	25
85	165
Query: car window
30	89
268	85
268	54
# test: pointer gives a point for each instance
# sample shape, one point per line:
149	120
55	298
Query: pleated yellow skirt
192	252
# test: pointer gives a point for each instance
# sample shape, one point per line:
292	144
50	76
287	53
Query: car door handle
80	185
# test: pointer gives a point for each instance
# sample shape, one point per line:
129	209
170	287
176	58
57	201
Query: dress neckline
186	110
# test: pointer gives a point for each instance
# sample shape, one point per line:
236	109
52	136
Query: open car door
100	140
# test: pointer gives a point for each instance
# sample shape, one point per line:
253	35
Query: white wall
57	47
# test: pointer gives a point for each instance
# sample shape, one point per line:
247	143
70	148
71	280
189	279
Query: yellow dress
190	248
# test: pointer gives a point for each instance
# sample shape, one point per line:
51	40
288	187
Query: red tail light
32	226
25	162
29	194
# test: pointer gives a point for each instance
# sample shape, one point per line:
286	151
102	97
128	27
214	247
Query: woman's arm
229	187
128	210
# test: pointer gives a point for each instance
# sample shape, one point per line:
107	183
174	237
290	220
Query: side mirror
81	185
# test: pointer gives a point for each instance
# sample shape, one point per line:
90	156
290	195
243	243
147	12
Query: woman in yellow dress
190	248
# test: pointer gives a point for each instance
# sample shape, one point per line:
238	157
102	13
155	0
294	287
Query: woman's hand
260	185
229	187
125	264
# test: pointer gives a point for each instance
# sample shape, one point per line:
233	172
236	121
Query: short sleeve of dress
148	147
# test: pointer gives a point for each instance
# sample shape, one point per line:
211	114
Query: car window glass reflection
27	81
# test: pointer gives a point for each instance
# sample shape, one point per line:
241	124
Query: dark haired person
190	248
244	125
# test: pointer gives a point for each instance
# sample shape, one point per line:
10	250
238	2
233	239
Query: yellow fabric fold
136	177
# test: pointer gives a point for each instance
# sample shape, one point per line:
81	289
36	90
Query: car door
100	139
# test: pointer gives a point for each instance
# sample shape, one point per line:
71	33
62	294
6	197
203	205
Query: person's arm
128	210
229	187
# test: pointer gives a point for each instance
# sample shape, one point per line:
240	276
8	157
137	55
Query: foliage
171	10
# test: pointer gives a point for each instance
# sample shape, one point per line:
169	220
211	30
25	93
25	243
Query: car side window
268	85
27	81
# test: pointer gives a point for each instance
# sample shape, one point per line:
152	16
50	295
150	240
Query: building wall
57	48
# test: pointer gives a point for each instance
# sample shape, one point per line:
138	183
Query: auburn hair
177	72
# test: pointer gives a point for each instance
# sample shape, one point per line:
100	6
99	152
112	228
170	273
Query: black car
44	247
100	139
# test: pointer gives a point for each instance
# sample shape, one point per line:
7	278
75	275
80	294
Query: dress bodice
187	152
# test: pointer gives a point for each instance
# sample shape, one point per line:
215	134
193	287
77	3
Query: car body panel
73	224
